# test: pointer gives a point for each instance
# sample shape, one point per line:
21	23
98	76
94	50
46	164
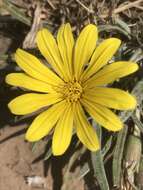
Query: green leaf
137	55
16	12
34	146
122	25
98	165
109	28
117	156
48	154
137	122
107	146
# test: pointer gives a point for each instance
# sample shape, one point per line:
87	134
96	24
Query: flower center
72	91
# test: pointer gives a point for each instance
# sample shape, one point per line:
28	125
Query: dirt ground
17	161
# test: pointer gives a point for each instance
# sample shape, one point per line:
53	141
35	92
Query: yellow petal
25	81
33	67
85	132
111	72
103	53
49	49
111	97
65	44
31	102
63	132
84	48
42	124
103	115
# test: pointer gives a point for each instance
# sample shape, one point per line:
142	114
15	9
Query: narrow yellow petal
65	44
85	132
111	97
111	72
84	48
103	53
42	124
31	102
25	81
103	115
63	132
33	67
49	49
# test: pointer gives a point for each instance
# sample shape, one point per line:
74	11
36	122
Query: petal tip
11	107
96	148
91	27
117	128
19	51
39	33
30	137
57	153
136	67
68	24
115	41
134	102
118	41
7	78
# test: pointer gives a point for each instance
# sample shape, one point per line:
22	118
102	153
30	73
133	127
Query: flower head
73	85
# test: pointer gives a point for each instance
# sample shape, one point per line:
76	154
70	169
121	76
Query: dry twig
86	8
124	7
29	41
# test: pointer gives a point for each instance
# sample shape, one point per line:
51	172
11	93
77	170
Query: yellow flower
73	85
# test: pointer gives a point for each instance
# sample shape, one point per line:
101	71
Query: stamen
71	91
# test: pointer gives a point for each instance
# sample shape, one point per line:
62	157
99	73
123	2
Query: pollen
72	91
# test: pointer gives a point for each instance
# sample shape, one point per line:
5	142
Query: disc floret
71	91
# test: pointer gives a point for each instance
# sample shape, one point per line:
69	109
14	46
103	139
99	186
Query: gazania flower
72	86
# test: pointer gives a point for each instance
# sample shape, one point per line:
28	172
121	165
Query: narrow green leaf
122	24
137	55
107	146
98	165
48	154
34	146
109	28
138	176
117	156
16	12
137	122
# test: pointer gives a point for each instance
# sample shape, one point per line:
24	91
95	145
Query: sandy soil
17	162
